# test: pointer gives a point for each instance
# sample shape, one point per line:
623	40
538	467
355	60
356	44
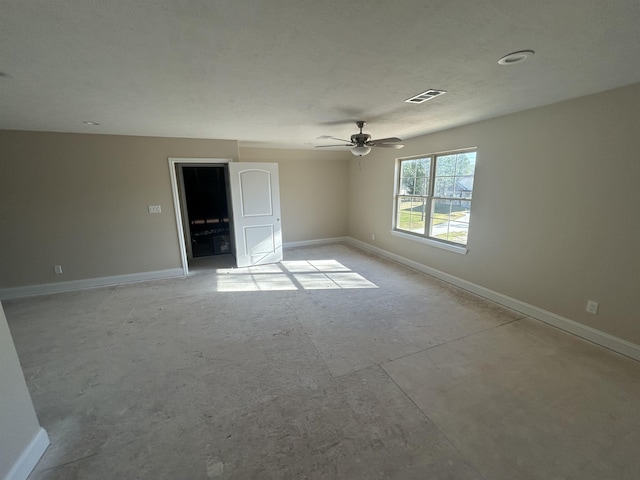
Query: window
433	196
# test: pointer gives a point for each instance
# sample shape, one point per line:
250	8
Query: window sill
434	243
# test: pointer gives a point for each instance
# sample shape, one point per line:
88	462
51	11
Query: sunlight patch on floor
290	275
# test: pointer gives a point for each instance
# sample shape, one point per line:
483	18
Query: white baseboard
30	456
42	289
46	288
321	241
596	336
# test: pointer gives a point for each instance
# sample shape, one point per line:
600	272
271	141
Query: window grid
434	194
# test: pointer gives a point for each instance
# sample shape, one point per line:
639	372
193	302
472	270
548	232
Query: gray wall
555	213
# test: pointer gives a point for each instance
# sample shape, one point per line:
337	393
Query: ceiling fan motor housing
360	138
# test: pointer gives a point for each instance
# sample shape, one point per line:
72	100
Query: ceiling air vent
424	96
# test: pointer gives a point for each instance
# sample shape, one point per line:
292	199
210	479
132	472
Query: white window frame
429	197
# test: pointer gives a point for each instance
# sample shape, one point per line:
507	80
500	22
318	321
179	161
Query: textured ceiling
284	72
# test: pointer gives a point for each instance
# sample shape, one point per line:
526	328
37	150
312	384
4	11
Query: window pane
405	186
443	187
412	186
411	214
414	176
421	186
418	215
463	186
450	220
408	177
403	215
424	168
408	168
417	167
440	213
446	166
465	163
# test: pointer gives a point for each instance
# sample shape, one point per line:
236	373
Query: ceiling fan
361	143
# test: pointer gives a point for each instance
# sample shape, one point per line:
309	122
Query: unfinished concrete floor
335	364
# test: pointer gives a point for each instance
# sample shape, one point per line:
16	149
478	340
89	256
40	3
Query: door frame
174	162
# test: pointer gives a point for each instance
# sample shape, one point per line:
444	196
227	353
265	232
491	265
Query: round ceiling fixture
516	57
360	150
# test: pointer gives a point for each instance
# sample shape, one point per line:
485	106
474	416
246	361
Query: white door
255	204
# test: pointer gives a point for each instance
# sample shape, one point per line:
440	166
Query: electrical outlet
373	236
57	269
592	307
155	209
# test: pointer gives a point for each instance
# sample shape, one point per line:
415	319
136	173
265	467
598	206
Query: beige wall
555	213
553	218
313	191
18	422
81	201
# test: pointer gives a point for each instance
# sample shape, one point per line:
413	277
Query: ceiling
282	73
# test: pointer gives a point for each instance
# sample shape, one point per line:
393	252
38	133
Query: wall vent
424	96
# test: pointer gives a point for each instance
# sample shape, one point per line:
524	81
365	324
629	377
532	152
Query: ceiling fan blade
388	145
384	140
333	138
345	145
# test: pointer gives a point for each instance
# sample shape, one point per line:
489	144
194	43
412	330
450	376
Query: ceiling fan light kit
361	143
360	150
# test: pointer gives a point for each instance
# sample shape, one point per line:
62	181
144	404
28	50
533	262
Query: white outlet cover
155	209
592	307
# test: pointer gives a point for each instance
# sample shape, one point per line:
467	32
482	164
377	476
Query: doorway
252	216
208	220
206	210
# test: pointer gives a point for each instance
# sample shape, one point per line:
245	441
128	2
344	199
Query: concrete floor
335	364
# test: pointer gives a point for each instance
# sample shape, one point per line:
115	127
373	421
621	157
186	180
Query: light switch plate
155	209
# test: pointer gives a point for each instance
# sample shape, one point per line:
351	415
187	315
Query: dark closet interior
208	215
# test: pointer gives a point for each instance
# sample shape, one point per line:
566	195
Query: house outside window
434	194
